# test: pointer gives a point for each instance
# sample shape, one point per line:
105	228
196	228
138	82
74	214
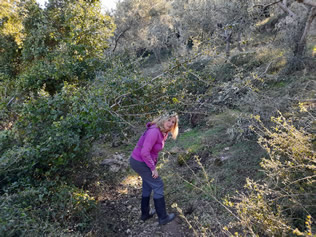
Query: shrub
51	208
280	204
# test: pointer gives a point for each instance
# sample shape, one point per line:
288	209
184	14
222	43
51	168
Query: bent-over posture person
144	160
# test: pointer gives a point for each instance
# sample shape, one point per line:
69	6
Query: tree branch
10	101
119	36
268	5
119	98
284	8
308	2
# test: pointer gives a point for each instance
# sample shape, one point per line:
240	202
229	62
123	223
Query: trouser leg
146	188
143	170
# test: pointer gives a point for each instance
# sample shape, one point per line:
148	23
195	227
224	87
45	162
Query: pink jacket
149	145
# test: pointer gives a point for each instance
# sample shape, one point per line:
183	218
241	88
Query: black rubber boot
163	217
146	214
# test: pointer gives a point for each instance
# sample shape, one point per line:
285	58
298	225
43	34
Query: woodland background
77	86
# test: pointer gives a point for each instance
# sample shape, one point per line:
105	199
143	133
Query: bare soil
119	214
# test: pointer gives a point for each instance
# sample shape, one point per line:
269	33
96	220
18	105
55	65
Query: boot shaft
145	205
160	206
163	217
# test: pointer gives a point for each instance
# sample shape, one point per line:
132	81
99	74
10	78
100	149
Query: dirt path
119	214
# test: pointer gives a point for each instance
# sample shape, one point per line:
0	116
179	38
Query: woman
144	159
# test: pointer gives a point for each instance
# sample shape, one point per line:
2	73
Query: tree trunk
297	61
228	36
238	42
157	53
300	46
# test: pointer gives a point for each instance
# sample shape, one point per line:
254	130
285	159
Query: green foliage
7	98
40	154
11	20
9	56
132	95
33	211
52	134
223	72
63	42
10	38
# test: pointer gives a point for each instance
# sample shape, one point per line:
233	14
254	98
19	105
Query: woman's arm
149	142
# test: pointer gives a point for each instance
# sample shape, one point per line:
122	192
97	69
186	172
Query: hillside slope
215	152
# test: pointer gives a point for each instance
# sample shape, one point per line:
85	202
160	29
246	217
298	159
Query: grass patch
187	185
190	140
244	162
279	84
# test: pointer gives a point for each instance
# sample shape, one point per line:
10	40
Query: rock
224	158
116	143
118	156
115	164
175	150
114	168
110	162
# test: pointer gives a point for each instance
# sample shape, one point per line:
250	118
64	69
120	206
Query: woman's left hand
154	174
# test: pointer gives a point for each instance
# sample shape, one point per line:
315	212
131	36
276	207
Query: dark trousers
149	183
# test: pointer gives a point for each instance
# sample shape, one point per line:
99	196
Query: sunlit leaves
11	20
64	42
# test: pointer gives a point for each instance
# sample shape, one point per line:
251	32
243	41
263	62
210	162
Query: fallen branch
10	101
284	8
308	2
119	98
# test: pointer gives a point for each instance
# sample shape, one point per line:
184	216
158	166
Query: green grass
244	162
210	143
190	140
244	159
279	84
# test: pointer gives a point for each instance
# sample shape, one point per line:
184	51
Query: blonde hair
159	121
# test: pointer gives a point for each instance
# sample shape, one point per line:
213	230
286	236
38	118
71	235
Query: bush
52	135
41	151
51	208
223	72
280	205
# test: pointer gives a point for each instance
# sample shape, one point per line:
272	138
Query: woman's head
168	122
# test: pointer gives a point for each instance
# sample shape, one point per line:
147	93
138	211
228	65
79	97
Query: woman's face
169	123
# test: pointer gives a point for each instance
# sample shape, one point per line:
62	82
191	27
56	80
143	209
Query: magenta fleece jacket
149	145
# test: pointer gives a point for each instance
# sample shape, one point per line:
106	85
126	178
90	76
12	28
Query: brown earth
119	214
